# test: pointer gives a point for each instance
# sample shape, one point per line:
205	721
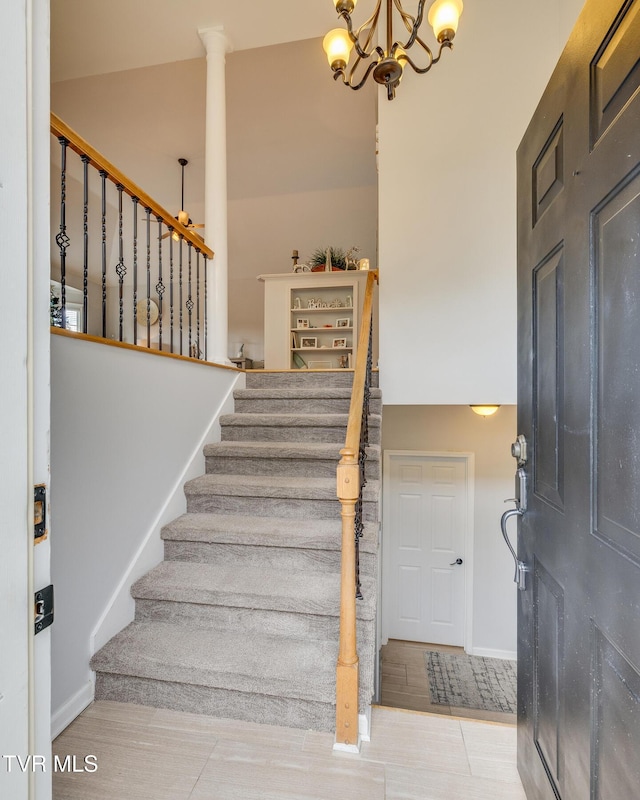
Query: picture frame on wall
309	342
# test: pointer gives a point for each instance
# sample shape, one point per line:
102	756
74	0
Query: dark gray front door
579	409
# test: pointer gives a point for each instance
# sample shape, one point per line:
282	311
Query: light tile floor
152	754
404	682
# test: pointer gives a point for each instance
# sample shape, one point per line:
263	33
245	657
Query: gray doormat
472	681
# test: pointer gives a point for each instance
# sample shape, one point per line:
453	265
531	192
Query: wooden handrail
83	148
348	490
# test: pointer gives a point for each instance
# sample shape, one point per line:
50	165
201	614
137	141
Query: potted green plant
318	260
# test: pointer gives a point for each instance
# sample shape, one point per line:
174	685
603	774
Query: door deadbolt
519	450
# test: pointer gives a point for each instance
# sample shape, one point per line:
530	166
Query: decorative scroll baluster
206	269
121	269
180	293
103	178
171	287
85	249
62	240
148	221
362	458
135	269
198	300
190	300
160	285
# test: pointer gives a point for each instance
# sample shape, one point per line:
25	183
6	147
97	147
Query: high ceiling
91	37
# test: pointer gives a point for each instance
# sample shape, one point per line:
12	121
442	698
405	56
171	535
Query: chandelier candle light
387	65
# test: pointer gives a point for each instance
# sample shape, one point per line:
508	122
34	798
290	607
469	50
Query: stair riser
272	405
303	379
294	559
263	709
284	467
273	507
251	620
258	433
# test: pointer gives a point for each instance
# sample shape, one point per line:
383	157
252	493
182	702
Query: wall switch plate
43	608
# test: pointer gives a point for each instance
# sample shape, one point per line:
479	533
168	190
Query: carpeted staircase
241	618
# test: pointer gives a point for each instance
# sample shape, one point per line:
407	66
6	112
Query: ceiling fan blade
164	235
196	225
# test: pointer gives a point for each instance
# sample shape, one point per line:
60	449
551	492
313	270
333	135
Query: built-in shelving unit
312	319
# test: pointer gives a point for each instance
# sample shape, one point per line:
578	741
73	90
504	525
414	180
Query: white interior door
425	549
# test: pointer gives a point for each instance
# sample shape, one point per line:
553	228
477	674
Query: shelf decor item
343	322
321	255
339	343
387	57
308	342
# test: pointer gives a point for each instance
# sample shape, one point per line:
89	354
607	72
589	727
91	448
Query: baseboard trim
364	726
76	704
340	747
488	652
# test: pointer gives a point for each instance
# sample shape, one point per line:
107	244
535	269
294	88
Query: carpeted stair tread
267	486
259	664
294	450
275	393
321	420
308	533
250	587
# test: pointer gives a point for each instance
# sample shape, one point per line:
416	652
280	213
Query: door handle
521	568
458	561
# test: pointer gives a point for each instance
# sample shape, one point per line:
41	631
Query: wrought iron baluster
135	269
62	240
170	229
103	179
121	269
206	269
148	221
198	299
85	249
180	293
189	299
160	285
362	457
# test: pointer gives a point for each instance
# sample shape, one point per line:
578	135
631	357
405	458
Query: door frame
468	459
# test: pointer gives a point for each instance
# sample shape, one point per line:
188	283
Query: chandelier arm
432	59
412	24
354	35
347	80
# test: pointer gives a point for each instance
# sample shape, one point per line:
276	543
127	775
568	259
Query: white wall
128	429
447	200
458	429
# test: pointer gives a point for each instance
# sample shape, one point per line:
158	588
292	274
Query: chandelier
387	64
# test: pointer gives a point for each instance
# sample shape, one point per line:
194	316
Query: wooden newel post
348	480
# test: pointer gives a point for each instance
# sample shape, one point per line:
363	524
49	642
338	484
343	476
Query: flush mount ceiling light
387	65
484	411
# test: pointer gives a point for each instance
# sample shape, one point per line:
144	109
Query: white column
215	193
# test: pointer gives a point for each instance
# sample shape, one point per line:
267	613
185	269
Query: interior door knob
458	561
